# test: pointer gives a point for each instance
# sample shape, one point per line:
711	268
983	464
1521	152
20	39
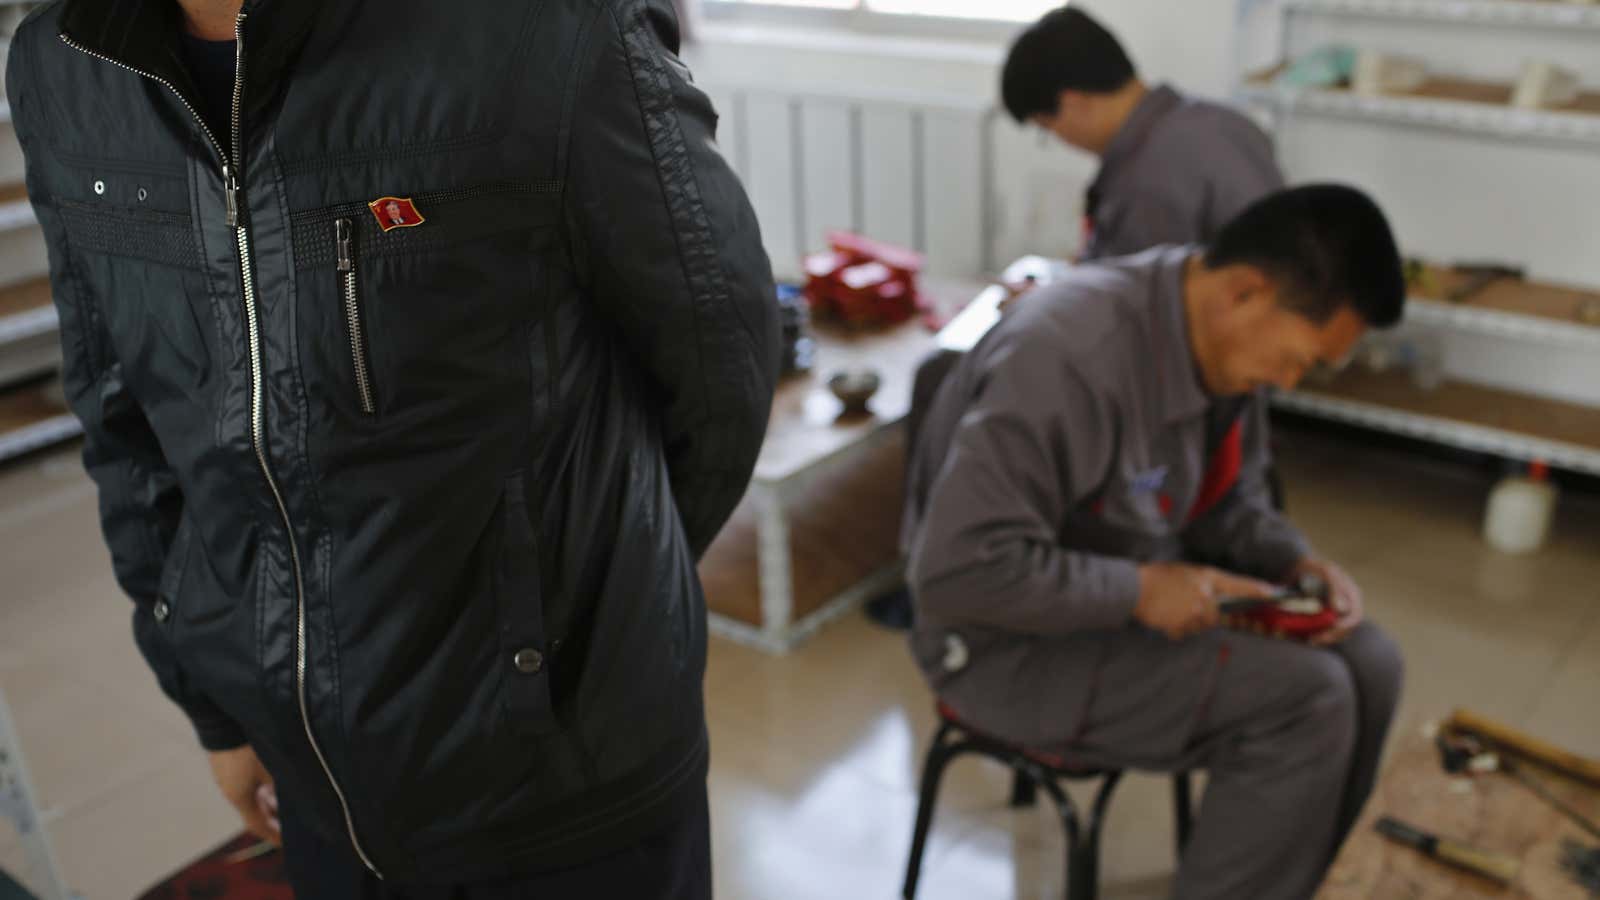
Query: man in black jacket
419	355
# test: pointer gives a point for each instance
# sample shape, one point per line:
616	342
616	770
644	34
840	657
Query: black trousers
674	864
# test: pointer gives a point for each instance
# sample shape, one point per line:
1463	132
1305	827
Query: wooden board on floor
1522	414
1487	812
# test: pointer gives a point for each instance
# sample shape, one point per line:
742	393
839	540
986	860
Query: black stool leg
1080	858
1023	790
939	756
1182	797
1090	853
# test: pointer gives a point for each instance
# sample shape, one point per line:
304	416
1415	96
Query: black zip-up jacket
412	400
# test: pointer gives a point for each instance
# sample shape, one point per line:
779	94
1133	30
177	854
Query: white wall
1186	42
1040	183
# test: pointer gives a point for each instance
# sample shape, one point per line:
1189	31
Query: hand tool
1481	862
1510	741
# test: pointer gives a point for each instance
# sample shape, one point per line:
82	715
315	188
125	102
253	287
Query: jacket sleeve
1034	443
666	242
140	501
1244	532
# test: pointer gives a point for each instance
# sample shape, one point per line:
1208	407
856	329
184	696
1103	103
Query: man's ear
1247	284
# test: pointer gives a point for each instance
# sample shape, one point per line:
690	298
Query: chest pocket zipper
350	291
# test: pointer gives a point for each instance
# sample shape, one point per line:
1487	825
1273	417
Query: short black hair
1326	246
1067	50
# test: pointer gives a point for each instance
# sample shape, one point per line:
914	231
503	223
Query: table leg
17	803
777	576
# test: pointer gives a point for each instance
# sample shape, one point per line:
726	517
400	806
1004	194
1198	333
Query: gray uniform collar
1181	393
1152	108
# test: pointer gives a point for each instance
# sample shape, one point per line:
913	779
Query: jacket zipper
344	235
257	403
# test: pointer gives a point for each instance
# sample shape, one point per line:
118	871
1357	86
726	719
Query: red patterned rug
241	869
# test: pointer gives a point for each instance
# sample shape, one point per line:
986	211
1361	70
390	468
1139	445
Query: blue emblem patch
1148	482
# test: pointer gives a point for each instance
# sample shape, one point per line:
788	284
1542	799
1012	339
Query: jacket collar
1181	392
1147	113
1151	109
143	35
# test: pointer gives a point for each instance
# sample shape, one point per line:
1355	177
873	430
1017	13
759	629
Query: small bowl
854	387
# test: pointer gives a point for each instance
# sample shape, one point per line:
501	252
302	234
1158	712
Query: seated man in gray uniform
1173	168
1087	488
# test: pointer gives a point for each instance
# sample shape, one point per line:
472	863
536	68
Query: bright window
1002	10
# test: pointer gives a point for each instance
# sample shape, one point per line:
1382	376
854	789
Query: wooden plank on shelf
1493	94
1587	102
1463	90
1524	415
1509	295
13	193
24	407
25	297
1460	90
32	419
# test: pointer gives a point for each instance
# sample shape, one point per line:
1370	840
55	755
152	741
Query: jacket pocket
172	573
524	646
426	315
344	232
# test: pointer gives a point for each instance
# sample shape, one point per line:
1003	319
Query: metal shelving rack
29	329
1499	324
1462	116
1445	430
1452	112
1517	13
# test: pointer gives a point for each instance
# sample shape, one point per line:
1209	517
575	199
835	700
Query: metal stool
1032	771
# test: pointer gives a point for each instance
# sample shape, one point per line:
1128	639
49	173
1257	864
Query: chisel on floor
1490	865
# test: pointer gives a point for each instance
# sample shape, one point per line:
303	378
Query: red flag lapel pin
395	212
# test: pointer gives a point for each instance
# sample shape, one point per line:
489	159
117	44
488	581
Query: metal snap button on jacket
528	662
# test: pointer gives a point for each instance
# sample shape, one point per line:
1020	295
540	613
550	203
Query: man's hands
1178	599
246	784
1342	593
1014	292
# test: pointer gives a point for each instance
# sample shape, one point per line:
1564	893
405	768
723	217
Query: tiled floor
816	755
